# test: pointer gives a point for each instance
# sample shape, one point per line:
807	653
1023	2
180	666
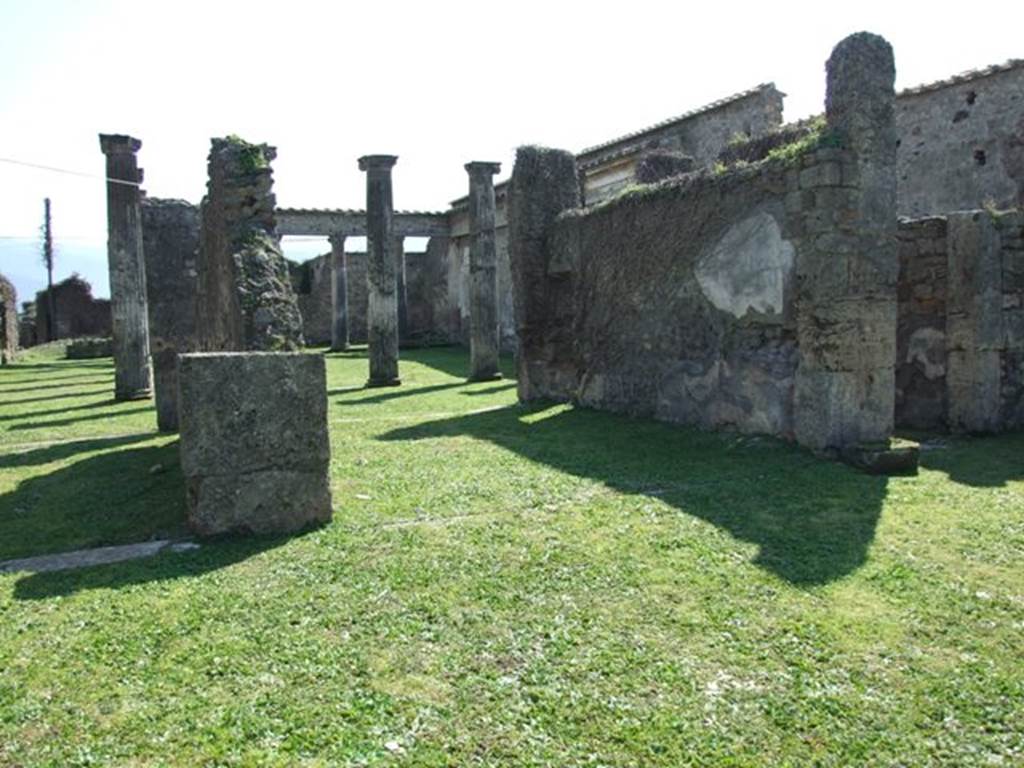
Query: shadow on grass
63	396
102	363
491	390
64	450
69	381
120	496
812	520
55	411
166	566
985	462
76	419
393	393
450	360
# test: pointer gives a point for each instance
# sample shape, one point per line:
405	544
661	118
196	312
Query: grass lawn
507	586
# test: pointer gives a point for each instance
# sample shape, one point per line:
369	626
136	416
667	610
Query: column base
495	376
372	383
133	394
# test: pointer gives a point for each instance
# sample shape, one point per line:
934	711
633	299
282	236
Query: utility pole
51	304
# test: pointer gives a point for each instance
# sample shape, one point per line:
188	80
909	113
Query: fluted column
130	323
381	272
483	273
339	294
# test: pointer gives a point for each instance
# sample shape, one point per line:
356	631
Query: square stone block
254	446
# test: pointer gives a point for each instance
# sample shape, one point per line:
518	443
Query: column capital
480	168
119	144
377	162
337	240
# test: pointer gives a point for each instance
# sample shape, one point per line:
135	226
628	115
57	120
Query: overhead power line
69	172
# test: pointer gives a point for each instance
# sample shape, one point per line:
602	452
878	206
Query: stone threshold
83	558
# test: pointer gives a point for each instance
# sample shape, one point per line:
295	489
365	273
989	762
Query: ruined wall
311	281
761	299
245	298
962	142
8	321
78	313
170	237
960	350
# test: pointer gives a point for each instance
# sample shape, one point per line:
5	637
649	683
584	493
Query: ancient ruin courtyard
505	584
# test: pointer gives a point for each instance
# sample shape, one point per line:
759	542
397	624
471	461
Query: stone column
381	272
483	274
130	325
339	294
403	291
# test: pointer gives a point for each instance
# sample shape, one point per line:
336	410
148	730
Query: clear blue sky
437	83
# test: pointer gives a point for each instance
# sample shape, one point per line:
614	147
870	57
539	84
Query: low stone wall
89	349
960	341
254	446
8	321
245	298
762	299
170	235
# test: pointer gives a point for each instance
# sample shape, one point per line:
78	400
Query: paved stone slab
83	558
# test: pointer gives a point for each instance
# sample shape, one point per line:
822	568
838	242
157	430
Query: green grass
508	586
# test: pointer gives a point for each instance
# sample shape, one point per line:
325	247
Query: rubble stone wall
245	298
78	312
761	299
962	143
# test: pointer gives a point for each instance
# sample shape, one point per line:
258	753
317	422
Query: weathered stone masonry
129	315
763	299
170	232
960	351
8	321
244	300
254	444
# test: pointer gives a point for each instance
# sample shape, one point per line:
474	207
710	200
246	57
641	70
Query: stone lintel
117	143
377	162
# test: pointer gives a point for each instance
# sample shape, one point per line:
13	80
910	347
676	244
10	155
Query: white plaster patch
748	267
927	346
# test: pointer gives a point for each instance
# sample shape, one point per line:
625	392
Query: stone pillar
170	232
339	294
483	274
844	389
381	272
133	378
245	299
403	291
544	183
8	321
